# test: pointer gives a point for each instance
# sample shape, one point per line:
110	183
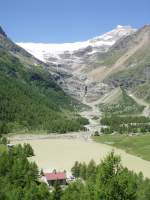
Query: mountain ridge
40	50
2	32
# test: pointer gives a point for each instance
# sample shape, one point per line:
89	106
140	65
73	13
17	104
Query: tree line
125	124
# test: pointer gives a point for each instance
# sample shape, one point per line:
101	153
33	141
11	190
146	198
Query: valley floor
60	151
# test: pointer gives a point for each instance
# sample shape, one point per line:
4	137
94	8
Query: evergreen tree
28	151
113	182
57	193
74	191
76	169
83	171
91	170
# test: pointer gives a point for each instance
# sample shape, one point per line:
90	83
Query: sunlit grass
137	145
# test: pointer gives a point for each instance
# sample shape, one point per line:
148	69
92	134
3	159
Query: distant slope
146	111
19	52
143	91
29	97
124	53
126	64
113	97
118	102
133	70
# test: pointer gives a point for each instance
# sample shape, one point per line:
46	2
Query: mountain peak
2	32
119	26
115	34
123	27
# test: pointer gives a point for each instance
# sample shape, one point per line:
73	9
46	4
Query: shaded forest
31	100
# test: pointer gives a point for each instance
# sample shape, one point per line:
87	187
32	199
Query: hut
52	178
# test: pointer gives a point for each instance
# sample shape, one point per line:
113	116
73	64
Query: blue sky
58	21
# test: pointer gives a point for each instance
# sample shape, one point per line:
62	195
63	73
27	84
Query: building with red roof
52	178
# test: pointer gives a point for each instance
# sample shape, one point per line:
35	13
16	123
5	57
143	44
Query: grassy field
137	145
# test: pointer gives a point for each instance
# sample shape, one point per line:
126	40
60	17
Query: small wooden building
52	178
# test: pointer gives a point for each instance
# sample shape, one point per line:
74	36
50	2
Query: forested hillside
31	100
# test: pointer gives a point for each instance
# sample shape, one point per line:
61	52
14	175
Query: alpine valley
81	111
58	79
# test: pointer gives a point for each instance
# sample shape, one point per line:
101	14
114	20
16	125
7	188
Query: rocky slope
130	62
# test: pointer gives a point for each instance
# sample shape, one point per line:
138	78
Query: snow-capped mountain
101	43
73	63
